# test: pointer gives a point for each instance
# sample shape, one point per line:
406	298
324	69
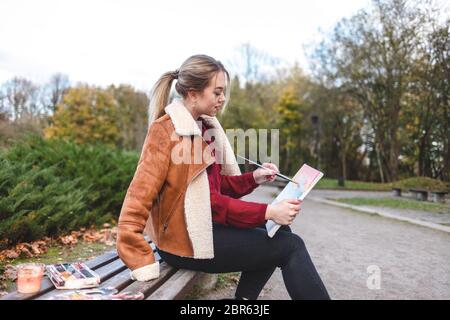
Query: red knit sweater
227	209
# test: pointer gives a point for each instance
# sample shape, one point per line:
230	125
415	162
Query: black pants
253	253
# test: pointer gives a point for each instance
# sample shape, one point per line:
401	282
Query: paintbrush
277	174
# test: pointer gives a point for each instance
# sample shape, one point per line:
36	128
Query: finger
293	201
267	172
271	167
274	167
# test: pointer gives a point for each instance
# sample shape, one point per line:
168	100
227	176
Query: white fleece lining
182	120
146	273
222	145
197	206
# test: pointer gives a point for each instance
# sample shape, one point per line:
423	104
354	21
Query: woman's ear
192	95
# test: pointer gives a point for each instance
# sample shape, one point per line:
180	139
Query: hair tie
175	74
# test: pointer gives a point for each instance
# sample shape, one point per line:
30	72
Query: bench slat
148	287
114	274
171	284
47	285
119	281
181	282
94	264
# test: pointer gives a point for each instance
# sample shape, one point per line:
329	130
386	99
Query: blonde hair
194	75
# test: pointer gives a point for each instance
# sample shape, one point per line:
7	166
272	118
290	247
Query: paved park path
413	261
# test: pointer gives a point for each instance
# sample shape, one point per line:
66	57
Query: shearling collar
185	125
182	120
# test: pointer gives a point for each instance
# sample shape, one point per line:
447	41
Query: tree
371	57
86	115
133	110
20	98
253	65
54	90
290	121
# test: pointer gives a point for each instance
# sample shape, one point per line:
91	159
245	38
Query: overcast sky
131	41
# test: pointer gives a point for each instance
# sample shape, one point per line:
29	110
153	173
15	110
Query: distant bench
172	283
439	196
419	194
422	195
397	192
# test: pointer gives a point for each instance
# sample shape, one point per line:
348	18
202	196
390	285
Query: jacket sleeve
147	181
238	186
237	213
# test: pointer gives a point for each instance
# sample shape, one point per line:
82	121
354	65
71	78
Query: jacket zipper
171	211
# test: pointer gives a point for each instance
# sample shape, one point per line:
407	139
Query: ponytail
160	95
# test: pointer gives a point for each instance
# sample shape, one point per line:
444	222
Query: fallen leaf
26	251
10	272
11	254
35	248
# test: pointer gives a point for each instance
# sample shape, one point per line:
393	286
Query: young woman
185	196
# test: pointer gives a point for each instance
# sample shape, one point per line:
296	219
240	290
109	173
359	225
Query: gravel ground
413	261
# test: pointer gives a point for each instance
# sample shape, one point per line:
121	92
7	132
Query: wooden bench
419	194
172	283
439	196
397	192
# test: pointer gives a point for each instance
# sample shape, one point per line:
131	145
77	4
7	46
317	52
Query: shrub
52	186
421	183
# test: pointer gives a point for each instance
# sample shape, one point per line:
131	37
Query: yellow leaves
86	115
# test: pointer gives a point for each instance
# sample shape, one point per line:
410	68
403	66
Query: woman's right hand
283	212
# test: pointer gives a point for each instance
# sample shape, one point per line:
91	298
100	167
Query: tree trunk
380	167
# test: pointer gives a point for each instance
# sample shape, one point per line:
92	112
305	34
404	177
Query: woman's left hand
264	175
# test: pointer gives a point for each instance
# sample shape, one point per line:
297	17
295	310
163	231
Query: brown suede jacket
168	197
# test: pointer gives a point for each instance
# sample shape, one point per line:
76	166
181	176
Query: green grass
405	184
82	251
353	185
398	204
